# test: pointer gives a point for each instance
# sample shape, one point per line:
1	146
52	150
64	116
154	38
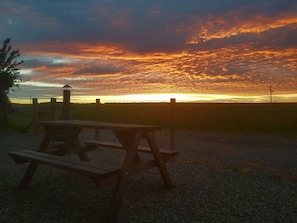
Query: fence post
35	115
66	104
97	114
172	123
53	108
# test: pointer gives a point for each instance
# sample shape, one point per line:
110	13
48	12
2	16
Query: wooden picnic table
128	135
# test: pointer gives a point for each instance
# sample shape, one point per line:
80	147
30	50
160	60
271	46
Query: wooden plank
114	145
81	167
164	152
144	149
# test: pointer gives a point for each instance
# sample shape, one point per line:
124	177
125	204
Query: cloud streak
124	47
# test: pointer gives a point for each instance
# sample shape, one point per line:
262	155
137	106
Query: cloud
97	69
44	61
184	46
143	26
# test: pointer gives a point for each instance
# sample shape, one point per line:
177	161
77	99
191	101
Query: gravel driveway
218	178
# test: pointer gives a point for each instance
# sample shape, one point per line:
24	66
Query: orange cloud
111	68
232	24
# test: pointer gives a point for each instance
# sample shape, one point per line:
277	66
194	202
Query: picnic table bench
128	135
143	149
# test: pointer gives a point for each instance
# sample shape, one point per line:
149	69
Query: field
279	119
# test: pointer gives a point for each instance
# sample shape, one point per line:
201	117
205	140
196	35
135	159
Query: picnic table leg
33	165
28	175
71	139
125	139
158	157
116	201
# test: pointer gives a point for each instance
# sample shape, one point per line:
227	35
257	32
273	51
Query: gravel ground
218	178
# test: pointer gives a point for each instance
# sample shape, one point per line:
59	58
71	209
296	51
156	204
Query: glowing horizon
180	98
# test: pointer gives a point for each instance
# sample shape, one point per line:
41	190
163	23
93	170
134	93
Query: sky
154	50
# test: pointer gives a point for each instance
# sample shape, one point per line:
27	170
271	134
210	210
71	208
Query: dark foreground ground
218	178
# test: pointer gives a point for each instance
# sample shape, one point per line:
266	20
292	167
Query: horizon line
155	98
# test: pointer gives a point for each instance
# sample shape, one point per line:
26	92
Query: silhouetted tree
9	75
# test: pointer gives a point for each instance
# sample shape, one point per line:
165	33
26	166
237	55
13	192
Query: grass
280	119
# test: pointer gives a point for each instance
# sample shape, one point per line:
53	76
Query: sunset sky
150	50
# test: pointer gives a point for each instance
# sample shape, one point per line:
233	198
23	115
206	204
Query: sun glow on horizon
179	97
160	98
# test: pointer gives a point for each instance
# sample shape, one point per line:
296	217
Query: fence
66	114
